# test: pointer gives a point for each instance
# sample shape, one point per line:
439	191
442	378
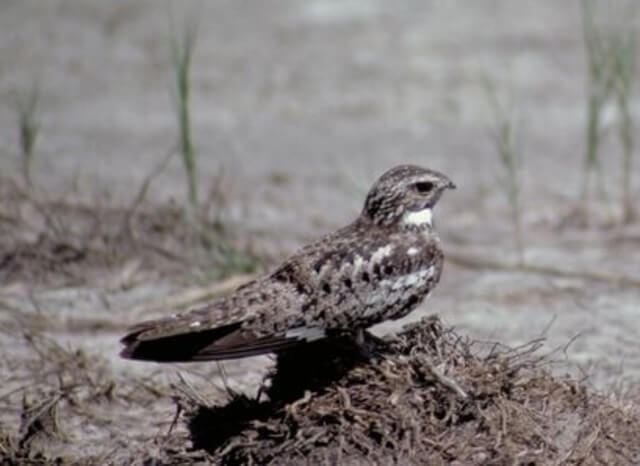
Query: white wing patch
306	333
419	218
357	264
412	279
381	253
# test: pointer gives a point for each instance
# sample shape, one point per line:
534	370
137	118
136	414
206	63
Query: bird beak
450	185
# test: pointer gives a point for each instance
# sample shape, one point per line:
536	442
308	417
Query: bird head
405	196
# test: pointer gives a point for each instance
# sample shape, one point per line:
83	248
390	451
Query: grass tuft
182	48
28	128
624	66
610	38
505	136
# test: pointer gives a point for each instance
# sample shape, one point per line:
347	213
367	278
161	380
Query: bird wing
226	328
227	342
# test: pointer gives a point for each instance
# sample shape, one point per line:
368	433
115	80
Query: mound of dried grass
328	406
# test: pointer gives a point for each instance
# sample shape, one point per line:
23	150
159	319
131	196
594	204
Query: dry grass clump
64	405
329	407
325	404
58	242
44	393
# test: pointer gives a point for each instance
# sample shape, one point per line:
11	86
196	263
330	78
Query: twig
179	408
446	381
144	188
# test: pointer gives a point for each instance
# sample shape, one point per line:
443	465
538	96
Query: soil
296	108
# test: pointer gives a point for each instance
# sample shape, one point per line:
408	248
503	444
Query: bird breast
377	284
396	297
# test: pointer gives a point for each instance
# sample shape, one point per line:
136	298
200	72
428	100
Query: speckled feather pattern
375	269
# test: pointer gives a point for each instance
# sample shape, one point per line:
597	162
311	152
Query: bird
378	268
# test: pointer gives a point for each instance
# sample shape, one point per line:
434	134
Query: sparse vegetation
625	49
599	85
28	127
610	38
76	240
505	136
183	45
211	232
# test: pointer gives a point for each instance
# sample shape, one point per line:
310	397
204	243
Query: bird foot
371	347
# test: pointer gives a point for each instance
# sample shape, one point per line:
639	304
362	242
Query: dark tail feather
207	345
182	347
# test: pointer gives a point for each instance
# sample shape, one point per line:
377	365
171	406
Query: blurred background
148	148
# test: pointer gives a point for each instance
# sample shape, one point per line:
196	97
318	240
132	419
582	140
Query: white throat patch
419	218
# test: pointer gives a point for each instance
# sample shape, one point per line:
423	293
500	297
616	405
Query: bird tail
153	342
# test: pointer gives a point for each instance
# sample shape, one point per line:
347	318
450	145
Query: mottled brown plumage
379	267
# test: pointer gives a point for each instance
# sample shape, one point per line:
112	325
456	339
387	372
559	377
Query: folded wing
193	337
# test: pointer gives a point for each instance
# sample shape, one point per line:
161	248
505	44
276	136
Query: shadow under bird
378	268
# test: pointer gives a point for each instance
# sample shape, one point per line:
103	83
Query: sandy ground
301	106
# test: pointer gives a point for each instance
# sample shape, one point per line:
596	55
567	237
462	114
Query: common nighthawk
379	267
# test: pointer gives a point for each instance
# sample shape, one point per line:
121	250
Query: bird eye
423	187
